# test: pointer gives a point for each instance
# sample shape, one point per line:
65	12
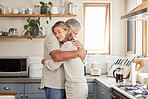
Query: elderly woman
75	85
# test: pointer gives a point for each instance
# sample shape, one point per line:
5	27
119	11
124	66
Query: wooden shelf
36	15
37	37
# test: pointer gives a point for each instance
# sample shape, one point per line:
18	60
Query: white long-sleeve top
74	69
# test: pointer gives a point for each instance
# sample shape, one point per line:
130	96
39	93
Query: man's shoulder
50	37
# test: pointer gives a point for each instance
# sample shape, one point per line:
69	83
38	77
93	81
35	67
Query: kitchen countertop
107	82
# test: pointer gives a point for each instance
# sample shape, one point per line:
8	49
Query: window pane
94	27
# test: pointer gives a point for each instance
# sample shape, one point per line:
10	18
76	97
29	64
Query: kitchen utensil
35	70
4	33
36	9
71	8
12	31
54	10
23	11
6	10
29	10
95	69
119	74
15	11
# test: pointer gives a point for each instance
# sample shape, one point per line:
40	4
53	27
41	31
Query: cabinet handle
22	97
91	95
26	97
113	96
7	88
40	88
102	92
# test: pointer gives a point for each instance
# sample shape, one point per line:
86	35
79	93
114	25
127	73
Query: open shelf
36	15
37	37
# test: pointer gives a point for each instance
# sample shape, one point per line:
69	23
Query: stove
138	91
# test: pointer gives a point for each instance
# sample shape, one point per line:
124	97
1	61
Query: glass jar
36	9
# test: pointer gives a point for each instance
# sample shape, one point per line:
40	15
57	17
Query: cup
29	10
22	11
15	11
6	10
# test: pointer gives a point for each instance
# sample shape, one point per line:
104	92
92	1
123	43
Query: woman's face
60	33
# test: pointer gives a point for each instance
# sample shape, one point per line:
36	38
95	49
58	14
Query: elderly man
54	81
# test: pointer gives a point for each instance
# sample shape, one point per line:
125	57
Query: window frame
107	5
127	27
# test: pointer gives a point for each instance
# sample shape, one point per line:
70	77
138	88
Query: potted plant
44	7
1	9
32	28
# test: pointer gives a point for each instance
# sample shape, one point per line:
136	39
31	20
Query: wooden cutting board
8	93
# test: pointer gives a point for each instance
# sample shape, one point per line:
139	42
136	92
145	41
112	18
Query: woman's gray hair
73	24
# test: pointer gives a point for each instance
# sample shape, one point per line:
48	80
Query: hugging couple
63	70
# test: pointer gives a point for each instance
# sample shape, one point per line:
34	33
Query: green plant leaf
33	36
42	3
49	13
29	38
41	33
41	28
25	27
28	19
47	22
49	3
26	33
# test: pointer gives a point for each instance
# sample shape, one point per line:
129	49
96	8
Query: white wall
24	47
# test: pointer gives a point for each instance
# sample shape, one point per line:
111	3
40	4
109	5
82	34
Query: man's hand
43	61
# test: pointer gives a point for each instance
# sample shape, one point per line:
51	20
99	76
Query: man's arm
58	55
50	64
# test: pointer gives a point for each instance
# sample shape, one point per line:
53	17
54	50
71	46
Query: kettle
12	31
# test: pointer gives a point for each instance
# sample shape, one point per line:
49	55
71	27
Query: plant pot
0	10
43	11
35	30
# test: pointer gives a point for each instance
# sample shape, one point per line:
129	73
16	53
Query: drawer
19	88
33	88
90	87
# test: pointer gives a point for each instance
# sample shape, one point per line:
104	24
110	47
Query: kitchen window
96	27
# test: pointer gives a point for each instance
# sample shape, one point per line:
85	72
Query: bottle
70	8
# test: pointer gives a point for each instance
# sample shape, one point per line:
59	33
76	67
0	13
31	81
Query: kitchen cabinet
33	91
24	90
103	93
17	87
91	90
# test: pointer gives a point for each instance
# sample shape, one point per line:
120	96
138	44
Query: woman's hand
77	44
43	61
80	47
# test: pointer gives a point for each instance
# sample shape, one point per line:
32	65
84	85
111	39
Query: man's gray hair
73	24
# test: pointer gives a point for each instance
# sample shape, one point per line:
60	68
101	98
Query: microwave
13	67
